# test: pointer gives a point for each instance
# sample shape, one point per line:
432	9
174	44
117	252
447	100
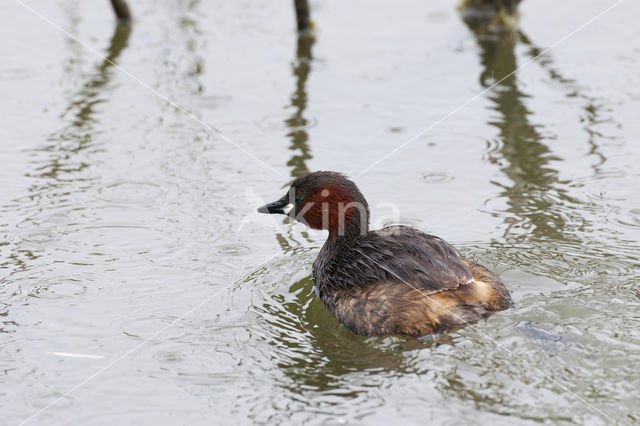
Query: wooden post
121	9
499	13
508	6
302	14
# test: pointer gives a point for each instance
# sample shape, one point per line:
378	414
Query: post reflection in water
593	108
297	122
316	353
522	155
81	107
55	162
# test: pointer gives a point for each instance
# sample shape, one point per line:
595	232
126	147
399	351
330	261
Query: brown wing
400	254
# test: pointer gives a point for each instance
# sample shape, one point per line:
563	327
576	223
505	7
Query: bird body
396	280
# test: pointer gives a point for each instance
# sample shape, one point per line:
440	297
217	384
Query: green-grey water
129	237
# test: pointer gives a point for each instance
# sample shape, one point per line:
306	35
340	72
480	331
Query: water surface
128	228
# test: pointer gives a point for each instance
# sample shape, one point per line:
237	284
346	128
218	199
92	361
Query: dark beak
281	206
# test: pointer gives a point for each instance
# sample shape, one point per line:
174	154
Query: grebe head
324	200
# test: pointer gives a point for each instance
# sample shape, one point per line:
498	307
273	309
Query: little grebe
394	280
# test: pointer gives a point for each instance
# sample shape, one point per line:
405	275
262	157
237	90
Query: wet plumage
394	280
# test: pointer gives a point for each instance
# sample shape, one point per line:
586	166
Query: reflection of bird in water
316	352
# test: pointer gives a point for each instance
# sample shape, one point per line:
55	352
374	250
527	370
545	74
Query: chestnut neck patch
333	208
